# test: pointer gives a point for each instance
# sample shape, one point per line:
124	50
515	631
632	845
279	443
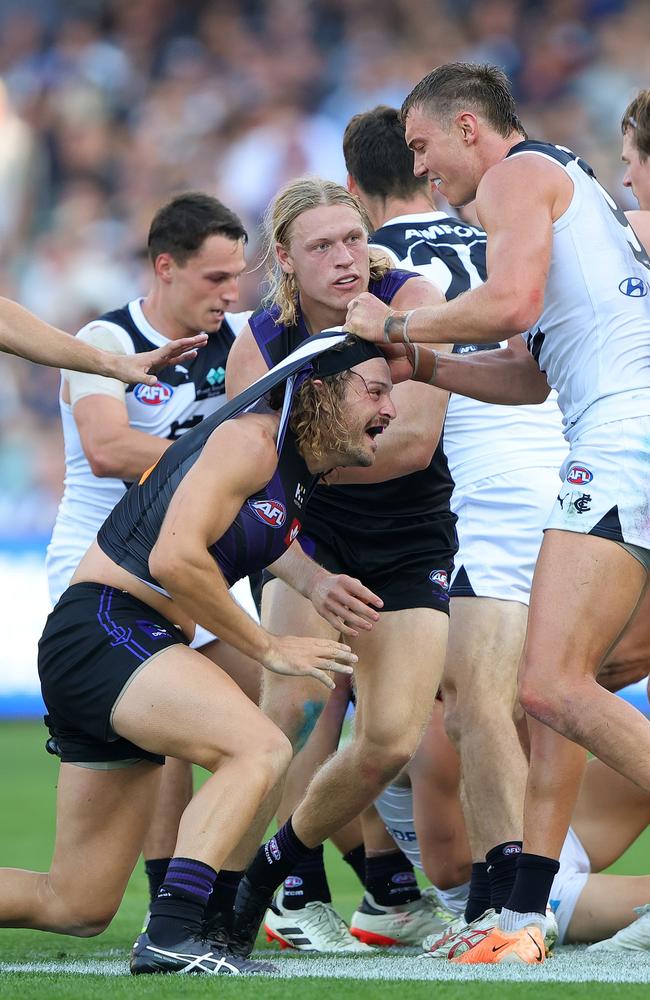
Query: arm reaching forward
26	336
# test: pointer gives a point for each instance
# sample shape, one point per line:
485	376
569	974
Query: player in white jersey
566	269
113	433
26	336
504	464
589	905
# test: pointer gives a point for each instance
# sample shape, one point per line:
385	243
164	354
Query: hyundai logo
635	288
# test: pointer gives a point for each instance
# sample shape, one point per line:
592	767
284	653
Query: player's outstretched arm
520	231
26	336
509	375
238	460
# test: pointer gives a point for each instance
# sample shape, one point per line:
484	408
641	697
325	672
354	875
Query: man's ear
284	258
163	267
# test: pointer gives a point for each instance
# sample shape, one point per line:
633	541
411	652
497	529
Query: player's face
440	155
328	255
200	291
367	410
637	173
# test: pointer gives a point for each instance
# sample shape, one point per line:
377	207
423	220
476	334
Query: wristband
393	323
434	371
407	317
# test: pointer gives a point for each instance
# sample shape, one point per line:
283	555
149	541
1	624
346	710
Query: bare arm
26	336
508	375
238	460
520	236
113	448
245	363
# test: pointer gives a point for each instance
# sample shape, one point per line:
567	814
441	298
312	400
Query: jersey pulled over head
270	520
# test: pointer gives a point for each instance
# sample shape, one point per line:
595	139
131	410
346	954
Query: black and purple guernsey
264	528
419	493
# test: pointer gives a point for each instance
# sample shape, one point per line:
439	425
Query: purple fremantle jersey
264	528
420	493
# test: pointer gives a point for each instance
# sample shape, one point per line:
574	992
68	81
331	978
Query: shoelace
323	913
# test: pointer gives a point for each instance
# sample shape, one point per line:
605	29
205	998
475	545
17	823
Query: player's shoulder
238	321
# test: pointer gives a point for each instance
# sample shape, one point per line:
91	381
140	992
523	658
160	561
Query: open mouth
346	282
375	431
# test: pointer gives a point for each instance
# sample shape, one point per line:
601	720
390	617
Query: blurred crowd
109	106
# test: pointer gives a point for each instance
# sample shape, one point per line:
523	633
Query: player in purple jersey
393	523
122	686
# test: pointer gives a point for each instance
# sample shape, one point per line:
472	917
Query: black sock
179	909
156	869
276	859
390	879
222	897
533	882
478	900
307	882
356	859
502	870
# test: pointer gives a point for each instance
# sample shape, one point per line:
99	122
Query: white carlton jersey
593	338
480	439
184	395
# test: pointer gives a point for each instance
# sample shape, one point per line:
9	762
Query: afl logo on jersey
634	288
440	577
579	476
271	512
153	395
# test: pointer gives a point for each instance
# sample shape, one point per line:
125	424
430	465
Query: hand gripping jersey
593	338
184	396
425	492
480	439
266	524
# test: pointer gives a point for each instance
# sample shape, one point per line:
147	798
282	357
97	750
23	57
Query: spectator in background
111	108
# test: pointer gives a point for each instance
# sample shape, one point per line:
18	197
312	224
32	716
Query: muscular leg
183	705
438	816
99	836
570	630
610	814
605	905
396	678
176	782
479	688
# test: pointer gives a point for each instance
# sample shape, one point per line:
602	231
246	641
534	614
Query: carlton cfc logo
153	395
271	512
579	476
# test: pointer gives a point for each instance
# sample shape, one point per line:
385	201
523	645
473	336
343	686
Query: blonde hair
290	202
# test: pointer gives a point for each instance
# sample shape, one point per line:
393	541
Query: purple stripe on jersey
118	635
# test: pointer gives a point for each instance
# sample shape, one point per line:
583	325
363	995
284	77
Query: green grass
28	780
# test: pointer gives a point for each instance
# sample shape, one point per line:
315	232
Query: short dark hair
181	226
455	86
637	118
377	157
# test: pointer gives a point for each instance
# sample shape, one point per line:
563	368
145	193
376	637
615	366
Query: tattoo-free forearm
196	584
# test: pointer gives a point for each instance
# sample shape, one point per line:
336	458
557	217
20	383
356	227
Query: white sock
511	920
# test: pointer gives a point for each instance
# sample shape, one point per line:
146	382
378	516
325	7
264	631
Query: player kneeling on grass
123	688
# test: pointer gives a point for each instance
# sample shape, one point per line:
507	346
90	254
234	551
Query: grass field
40	965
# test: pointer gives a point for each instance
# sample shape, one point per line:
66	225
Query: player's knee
379	763
89	921
270	758
452	720
296	719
